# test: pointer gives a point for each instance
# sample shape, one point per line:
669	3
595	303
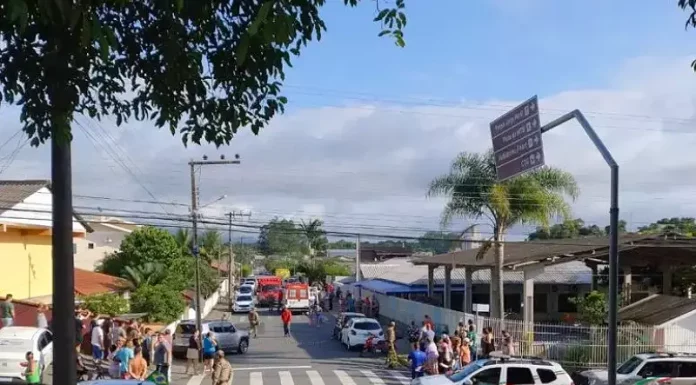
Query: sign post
517	142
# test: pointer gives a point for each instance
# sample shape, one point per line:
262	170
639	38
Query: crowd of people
441	354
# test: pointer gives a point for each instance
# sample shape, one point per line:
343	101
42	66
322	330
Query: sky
369	124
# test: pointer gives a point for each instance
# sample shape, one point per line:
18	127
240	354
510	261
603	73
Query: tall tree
203	68
183	239
474	191
281	237
684	226
211	246
437	242
314	236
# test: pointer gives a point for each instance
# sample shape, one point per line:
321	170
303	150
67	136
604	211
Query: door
490	376
221	337
660	369
45	346
232	336
687	374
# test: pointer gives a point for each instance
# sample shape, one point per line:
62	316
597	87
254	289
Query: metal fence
574	346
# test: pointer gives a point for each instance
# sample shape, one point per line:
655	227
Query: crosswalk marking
255	378
344	377
314	377
400	377
372	377
286	378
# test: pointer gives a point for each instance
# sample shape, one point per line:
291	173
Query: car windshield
185	329
244	298
371	326
467	371
270	288
245	289
15	345
629	366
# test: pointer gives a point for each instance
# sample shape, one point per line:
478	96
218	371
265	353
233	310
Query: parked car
243	303
503	370
245	289
229	338
341	320
15	342
357	330
678	367
116	382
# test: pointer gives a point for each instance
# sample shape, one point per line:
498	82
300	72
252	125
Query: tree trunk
498	296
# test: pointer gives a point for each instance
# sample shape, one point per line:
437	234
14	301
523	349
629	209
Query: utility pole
358	274
194	224
231	267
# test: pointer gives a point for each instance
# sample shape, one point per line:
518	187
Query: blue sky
482	50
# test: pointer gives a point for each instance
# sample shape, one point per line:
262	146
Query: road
310	356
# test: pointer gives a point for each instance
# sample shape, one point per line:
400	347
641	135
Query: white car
503	370
243	303
245	290
15	342
675	366
357	330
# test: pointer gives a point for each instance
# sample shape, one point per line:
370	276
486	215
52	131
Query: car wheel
243	346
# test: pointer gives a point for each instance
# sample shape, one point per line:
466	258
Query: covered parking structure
667	252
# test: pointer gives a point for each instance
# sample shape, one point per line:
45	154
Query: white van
15	342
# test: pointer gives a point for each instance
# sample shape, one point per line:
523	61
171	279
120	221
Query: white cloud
365	168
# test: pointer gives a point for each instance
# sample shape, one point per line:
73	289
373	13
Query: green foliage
273	263
318	270
437	242
683	226
592	308
161	302
244	254
181	276
211	245
150	273
572	228
314	237
246	270
144	245
282	237
111	304
204	68
341	244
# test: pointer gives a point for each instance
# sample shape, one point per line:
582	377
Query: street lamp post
194	224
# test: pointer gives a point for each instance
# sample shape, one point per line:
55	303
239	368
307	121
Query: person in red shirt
286	317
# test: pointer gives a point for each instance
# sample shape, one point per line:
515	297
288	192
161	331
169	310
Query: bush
110	304
162	303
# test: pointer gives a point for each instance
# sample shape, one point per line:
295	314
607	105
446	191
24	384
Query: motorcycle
374	347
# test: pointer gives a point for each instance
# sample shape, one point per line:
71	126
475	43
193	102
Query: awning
386	287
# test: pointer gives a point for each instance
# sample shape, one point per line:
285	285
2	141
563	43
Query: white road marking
400	377
344	377
273	367
255	378
286	378
372	377
314	377
195	380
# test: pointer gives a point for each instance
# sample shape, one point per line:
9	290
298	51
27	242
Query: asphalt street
309	356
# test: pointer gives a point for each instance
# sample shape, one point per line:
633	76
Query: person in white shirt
98	348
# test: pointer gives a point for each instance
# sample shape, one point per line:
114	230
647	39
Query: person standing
209	349
162	356
193	353
222	370
147	346
286	317
41	321
97	340
124	356
417	358
137	367
253	322
32	373
391	339
7	311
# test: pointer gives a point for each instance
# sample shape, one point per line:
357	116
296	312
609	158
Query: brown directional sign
517	141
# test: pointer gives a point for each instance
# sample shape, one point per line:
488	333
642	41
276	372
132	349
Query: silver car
230	339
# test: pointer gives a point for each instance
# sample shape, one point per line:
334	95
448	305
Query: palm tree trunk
497	300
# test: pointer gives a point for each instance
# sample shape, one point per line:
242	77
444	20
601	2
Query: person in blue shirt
417	358
124	355
209	349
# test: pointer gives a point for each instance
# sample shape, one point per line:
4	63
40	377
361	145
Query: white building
104	240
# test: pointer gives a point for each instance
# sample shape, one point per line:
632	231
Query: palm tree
150	273
183	239
533	198
211	246
314	235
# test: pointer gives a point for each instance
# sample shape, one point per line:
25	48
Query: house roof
520	253
88	283
657	309
13	192
403	271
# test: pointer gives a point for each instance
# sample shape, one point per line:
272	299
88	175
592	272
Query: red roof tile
88	283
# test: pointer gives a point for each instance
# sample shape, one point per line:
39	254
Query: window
565	305
479	298
629	366
487	377
540	303
372	326
90	245
227	328
513	303
546	376
185	329
44	340
659	369
519	376
303	293
292	293
687	369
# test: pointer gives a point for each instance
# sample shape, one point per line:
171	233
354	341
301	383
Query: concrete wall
208	306
26	265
